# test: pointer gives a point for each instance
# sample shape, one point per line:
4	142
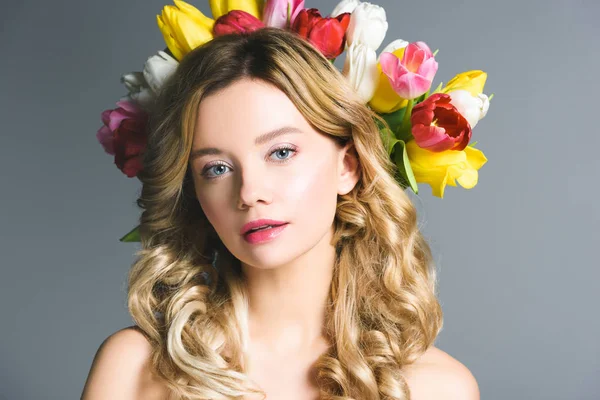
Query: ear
349	169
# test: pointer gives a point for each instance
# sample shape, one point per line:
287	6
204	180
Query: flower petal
410	85
468	178
194	13
432	138
428	69
105	138
172	44
106	116
129	107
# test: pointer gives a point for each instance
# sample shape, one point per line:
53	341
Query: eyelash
207	168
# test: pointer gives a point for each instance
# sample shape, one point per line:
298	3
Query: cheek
214	209
312	191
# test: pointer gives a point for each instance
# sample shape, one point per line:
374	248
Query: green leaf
132	236
405	133
388	138
394	119
404	167
472	144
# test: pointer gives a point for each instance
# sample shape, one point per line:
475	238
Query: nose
253	188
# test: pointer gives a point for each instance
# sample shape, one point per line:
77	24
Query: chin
267	259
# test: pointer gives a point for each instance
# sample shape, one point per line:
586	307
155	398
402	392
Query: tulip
439	169
410	77
144	86
124	136
236	21
385	99
466	90
184	28
326	34
222	7
473	108
139	90
276	12
360	67
368	25
344	6
437	125
471	81
157	69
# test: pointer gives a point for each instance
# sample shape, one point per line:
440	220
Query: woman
262	155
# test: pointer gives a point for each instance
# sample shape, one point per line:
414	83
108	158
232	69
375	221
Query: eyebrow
262	139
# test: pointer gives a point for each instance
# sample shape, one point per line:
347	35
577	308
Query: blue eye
286	149
210	167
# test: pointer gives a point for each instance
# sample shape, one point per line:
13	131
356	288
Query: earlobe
349	169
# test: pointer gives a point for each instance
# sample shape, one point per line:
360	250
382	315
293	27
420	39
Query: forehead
245	109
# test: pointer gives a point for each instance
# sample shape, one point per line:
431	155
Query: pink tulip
410	77
124	136
276	12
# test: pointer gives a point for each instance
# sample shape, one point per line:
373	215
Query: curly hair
383	311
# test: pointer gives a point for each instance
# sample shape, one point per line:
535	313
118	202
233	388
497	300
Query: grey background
517	254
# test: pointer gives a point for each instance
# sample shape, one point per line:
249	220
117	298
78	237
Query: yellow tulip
445	167
222	7
471	81
385	99
184	28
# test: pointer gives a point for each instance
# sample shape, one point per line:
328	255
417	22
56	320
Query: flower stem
407	113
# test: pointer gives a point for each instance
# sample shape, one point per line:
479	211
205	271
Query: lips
262	228
263	222
263	236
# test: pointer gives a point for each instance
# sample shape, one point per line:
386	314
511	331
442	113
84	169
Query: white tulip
144	86
158	69
344	6
473	108
393	46
360	68
368	25
139	91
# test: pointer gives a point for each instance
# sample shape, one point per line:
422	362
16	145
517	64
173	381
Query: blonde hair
383	311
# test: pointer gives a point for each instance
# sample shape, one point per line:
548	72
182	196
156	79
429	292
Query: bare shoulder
437	375
121	369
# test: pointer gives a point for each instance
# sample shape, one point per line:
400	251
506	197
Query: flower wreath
429	133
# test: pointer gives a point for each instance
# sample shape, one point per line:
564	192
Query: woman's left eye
285	149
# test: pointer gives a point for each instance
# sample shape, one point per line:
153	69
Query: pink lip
264	235
258	223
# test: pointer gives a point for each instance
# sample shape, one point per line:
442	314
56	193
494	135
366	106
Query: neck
287	304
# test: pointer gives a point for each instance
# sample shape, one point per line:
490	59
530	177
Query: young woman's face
293	177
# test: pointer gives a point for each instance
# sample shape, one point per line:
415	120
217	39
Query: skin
289	277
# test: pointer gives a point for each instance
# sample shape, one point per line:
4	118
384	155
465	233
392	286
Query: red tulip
438	126
124	136
326	34
236	21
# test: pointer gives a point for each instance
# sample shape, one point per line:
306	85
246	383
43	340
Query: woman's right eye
207	169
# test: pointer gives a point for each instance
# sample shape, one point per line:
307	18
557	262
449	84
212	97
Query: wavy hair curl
383	312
